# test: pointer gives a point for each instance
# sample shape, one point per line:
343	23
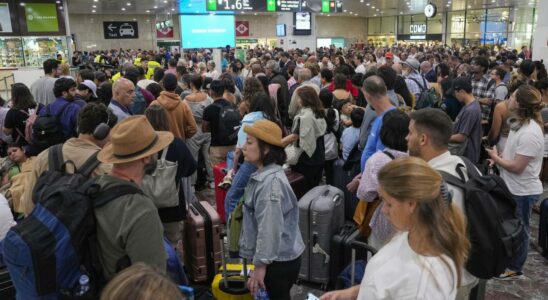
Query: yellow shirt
116	76
151	66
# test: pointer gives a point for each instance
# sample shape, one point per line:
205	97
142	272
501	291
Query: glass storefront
31	51
381	31
523	26
413	29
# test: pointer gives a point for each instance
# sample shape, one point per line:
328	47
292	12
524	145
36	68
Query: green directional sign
41	17
271	5
211	4
325	6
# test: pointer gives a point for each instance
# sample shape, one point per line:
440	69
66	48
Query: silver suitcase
321	215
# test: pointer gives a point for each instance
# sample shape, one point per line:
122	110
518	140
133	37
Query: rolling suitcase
296	181
7	290
231	282
341	250
202	241
340	180
219	172
321	215
543	228
353	273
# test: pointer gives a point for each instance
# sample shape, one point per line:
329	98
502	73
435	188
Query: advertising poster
41	17
5	19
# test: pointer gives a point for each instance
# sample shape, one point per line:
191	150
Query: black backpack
49	251
229	123
47	129
428	97
494	229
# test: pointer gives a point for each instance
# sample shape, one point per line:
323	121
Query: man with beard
42	89
129	229
429	132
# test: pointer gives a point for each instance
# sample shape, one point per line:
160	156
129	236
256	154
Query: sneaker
509	275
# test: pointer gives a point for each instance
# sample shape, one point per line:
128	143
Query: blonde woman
141	282
425	259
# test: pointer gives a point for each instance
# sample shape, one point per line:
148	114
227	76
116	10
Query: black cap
462	83
170	82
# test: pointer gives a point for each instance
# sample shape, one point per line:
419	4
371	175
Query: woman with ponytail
425	259
521	162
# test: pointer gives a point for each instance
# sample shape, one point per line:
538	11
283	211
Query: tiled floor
534	285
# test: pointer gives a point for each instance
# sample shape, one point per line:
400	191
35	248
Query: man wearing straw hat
129	228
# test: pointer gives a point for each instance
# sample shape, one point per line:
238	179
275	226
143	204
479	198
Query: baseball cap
91	85
389	55
462	83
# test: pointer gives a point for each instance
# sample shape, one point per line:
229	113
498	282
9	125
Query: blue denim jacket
270	229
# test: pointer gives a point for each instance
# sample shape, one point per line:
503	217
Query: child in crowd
351	135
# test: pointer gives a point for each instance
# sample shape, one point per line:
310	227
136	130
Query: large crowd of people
398	116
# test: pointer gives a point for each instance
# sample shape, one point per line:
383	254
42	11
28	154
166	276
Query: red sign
166	32
242	28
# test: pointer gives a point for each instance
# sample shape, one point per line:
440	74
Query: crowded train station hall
273	149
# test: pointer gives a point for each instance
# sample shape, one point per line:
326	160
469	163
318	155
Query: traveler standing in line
128	228
123	93
425	259
270	230
181	121
521	162
274	74
42	89
22	105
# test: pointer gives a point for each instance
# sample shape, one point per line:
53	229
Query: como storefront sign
41	17
417	28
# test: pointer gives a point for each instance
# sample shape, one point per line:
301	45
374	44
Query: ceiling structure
357	8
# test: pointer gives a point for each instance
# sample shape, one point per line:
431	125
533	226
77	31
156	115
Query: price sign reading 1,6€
250	5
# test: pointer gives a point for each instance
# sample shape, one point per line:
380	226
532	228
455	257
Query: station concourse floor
533	286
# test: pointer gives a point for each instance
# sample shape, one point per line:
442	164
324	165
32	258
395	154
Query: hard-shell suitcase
351	276
296	180
7	290
202	241
340	180
543	228
321	215
231	282
219	172
341	250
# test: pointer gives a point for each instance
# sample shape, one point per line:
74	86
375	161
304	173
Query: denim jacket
270	230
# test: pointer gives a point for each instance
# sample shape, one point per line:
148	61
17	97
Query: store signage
417	28
120	30
242	28
5	19
247	41
41	17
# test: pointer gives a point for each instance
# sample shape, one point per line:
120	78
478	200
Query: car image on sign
126	29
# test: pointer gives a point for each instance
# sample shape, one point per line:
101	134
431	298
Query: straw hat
266	131
133	139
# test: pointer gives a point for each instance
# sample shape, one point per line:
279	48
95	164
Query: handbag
160	186
293	151
363	214
331	146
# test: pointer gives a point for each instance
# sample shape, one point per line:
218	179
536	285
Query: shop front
246	43
381	31
32	33
418	29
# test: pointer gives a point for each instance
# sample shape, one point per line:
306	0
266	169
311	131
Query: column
540	35
291	41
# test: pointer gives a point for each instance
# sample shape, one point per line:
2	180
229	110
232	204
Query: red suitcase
296	181
202	241
219	173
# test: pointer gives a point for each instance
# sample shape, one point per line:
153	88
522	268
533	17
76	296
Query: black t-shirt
16	120
211	115
186	166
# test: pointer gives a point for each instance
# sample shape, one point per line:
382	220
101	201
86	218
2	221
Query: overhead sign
248	5
242	28
417	28
330	6
41	17
120	30
274	5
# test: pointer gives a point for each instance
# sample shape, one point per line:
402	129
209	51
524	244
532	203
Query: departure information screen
275	5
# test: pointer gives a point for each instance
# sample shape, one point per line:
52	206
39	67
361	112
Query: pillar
540	35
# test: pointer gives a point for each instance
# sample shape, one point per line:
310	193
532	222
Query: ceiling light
155	7
374	15
401	12
123	8
94	6
93	11
367	4
329	15
361	1
255	14
377	9
95	0
469	6
148	11
373	7
345	10
173	9
60	7
165	1
448	5
22	4
128	4
58	2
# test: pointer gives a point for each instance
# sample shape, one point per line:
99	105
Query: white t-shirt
527	141
360	69
397	272
6	218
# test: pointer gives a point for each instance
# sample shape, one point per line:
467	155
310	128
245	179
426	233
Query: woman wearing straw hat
270	230
129	228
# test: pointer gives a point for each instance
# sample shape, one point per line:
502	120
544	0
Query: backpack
427	97
47	130
494	229
29	123
49	251
229	123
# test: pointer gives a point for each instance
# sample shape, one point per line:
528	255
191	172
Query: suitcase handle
337	199
354	245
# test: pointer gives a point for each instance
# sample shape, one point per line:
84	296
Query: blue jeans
239	182
524	207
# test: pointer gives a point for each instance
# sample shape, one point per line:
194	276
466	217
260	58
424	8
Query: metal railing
5	86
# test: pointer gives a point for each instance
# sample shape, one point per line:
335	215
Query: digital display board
207	31
274	5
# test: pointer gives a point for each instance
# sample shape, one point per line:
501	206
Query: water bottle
83	286
262	295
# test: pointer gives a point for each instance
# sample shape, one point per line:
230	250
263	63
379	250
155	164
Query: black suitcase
543	228
366	252
341	251
7	290
341	178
